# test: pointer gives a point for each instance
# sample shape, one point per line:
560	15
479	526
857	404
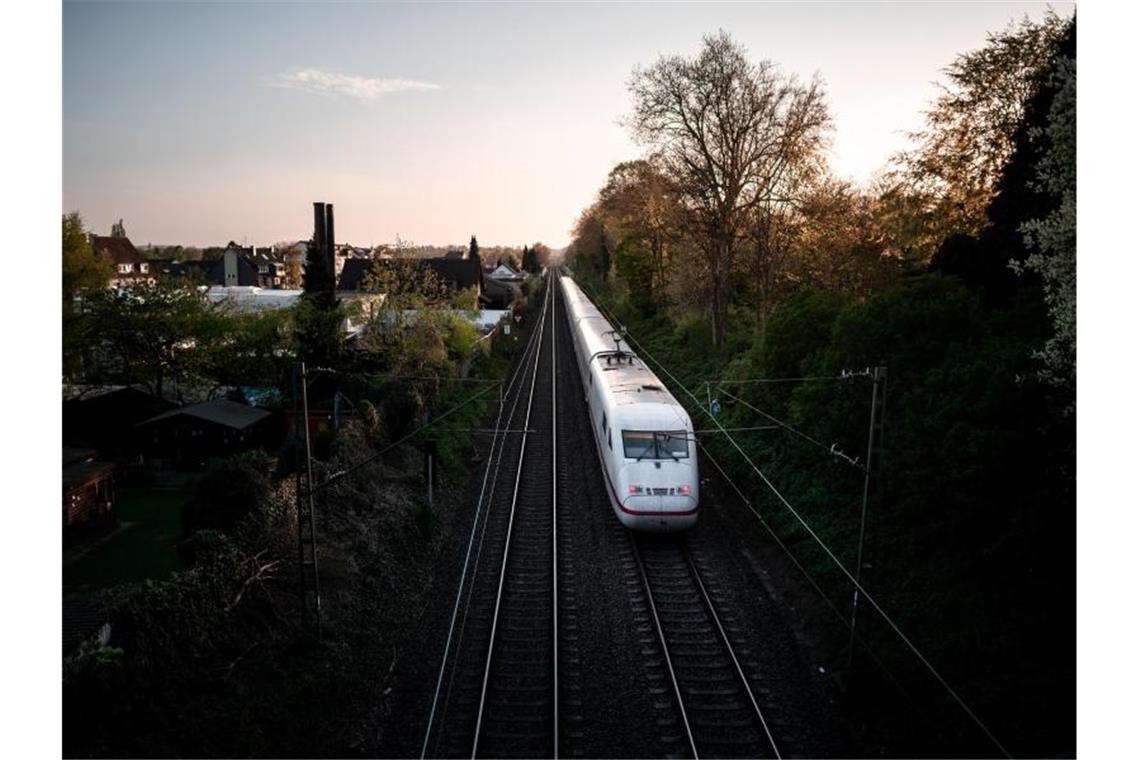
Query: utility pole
870	472
306	519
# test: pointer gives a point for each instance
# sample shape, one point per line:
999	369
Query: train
644	438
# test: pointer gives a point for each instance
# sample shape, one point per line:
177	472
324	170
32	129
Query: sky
200	123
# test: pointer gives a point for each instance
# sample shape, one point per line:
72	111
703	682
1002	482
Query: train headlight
685	490
633	490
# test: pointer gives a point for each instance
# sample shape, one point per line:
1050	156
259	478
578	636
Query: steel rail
664	646
728	648
532	354
510	526
500	438
554	493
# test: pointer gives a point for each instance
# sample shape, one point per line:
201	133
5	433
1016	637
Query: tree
642	212
153	333
1053	238
969	135
473	249
319	315
730	135
591	245
83	269
541	254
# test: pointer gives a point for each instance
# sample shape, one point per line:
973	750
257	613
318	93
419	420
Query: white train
644	437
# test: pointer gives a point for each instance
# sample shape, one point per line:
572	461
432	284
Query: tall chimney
330	242
318	228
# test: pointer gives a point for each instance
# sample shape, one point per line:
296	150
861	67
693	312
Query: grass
143	549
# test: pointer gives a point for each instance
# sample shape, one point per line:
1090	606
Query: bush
231	490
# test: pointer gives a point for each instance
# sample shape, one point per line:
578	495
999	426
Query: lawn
144	549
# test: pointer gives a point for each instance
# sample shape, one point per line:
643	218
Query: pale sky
198	123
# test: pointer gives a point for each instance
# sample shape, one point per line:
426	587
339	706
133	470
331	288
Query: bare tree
731	135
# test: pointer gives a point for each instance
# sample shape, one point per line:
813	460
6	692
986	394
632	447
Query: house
88	490
234	269
457	273
130	267
506	272
104	416
500	294
271	267
193	434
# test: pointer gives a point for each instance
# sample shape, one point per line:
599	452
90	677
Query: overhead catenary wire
803	570
827	550
373	457
808	379
780	423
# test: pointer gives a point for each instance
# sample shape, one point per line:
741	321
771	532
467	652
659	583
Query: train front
656	463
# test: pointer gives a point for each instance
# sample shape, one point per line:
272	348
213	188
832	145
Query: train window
610	440
649	444
603	421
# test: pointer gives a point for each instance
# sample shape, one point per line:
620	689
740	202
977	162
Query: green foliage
83	271
1053	238
318	319
970	129
82	268
149	333
228	492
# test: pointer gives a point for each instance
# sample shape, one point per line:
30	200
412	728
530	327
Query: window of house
125	268
143	268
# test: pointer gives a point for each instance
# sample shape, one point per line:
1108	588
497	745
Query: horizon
432	123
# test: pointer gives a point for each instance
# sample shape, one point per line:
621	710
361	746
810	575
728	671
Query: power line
803	570
870	599
835	452
373	457
847	375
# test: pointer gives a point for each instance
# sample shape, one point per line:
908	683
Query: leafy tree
1053	238
643	212
152	334
473	249
82	268
954	168
592	243
731	136
319	315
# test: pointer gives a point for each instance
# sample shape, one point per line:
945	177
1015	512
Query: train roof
626	377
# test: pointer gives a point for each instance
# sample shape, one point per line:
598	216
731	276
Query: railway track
705	701
497	692
512	681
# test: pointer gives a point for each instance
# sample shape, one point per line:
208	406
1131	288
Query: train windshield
650	444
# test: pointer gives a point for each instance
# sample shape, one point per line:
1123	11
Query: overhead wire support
827	550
